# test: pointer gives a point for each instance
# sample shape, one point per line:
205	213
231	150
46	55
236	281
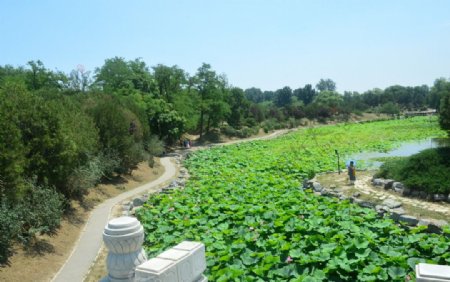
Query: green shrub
228	130
391	168
155	146
91	173
243	132
246	132
9	228
426	171
269	125
39	212
121	132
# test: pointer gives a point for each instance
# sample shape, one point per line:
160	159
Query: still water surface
366	159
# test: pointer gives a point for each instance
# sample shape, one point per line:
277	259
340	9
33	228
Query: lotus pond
244	203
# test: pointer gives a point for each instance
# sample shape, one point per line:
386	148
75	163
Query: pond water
367	159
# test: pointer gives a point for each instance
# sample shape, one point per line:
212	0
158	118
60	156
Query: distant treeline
60	134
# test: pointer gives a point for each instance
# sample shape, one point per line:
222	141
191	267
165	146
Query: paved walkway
90	241
364	186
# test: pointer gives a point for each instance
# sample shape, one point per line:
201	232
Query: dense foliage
442	89
65	132
426	171
38	212
244	203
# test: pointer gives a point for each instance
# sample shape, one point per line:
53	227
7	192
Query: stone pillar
123	237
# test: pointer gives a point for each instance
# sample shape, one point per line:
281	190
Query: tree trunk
201	123
208	124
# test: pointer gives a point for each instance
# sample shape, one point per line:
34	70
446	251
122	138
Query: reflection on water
406	149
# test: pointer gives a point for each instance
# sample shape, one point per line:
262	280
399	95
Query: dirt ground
363	186
49	253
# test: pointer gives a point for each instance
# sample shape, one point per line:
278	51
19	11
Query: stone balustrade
127	262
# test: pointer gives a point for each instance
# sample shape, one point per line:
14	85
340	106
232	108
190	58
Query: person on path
351	172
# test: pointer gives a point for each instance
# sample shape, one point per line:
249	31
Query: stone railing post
123	237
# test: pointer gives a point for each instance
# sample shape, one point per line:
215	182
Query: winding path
88	246
86	249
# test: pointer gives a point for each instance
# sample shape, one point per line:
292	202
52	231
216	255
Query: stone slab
392	204
173	254
156	269
409	219
432	272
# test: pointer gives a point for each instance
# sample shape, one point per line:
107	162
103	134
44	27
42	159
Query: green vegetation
66	132
426	171
244	203
441	90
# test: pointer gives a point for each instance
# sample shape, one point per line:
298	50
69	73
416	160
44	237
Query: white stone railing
127	262
185	262
432	273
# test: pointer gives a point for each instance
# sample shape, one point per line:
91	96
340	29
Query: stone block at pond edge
317	187
398	185
408	219
436	225
396	213
139	201
366	204
424	222
439	197
378	182
388	184
406	191
392	204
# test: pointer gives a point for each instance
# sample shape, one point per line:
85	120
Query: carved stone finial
123	237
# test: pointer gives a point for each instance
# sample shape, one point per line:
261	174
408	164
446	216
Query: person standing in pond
351	172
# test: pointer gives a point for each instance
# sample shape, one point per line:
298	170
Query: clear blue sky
267	44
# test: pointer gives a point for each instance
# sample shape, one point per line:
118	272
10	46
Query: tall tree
38	77
238	106
305	94
329	100
169	81
372	97
212	107
326	85
141	78
283	97
440	88
79	79
114	75
419	96
254	94
444	115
